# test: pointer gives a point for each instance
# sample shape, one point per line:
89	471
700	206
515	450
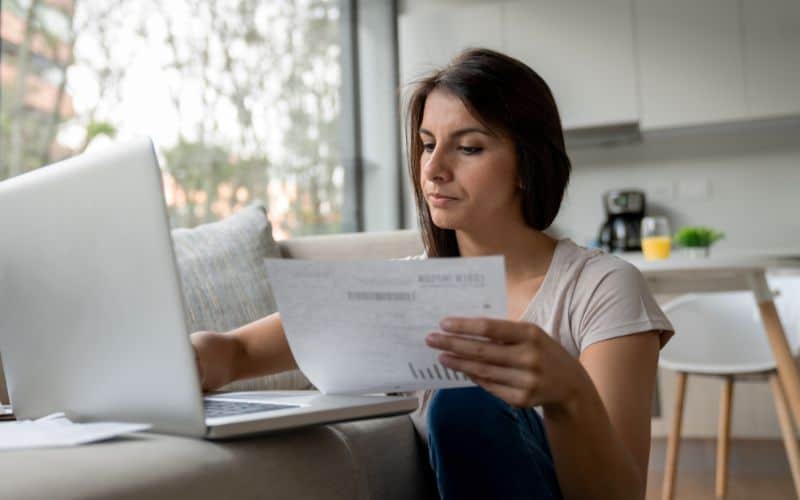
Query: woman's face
471	169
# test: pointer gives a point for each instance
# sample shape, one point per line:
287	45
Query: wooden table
733	271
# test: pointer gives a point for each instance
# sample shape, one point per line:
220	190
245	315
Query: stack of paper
57	430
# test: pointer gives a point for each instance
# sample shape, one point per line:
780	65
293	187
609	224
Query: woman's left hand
514	360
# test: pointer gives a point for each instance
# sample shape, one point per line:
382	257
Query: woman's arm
264	349
601	441
596	408
258	348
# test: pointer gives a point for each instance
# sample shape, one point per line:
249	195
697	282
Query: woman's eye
470	150
428	147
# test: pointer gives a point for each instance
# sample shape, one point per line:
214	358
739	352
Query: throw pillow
224	281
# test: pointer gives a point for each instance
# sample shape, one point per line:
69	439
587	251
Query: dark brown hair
511	99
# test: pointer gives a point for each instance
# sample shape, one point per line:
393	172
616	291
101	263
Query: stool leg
787	429
724	437
673	441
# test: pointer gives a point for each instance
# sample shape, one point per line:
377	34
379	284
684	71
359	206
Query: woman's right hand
215	354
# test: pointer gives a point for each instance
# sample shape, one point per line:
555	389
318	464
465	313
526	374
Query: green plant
697	236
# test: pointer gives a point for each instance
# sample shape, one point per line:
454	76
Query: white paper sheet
358	327
56	430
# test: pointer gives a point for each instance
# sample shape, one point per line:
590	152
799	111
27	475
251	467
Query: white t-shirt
587	296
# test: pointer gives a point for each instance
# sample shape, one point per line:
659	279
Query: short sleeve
618	302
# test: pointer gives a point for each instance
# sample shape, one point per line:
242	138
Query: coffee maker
621	232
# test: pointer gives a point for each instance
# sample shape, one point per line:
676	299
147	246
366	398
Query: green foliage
95	129
697	236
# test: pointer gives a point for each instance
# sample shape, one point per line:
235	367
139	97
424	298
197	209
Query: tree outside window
242	98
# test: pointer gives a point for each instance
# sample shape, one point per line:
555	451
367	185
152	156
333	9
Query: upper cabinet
690	64
717	61
586	59
661	63
431	33
771	33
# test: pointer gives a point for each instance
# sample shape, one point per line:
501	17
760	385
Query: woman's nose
434	167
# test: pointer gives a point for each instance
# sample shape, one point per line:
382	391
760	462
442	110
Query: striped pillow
224	281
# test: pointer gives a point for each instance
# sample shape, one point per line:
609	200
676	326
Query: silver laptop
92	320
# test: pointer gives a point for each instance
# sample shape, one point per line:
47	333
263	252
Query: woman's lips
440	201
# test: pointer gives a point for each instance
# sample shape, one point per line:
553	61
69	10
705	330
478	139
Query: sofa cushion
372	459
224	281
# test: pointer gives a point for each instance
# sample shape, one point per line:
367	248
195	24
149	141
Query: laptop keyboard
216	408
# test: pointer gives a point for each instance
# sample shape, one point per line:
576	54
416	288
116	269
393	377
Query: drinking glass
656	238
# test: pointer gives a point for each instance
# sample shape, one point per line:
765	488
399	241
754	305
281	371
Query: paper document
57	430
358	327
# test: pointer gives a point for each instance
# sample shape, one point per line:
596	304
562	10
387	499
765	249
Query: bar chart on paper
435	372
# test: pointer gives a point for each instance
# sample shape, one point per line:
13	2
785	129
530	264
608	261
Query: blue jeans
482	447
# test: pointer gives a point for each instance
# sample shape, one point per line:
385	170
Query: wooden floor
758	470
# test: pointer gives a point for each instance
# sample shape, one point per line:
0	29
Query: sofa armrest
365	460
392	460
373	245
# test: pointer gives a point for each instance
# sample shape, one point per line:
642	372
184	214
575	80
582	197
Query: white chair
721	334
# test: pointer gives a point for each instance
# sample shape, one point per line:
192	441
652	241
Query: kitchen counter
784	259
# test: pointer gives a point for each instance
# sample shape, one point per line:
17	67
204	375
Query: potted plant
697	240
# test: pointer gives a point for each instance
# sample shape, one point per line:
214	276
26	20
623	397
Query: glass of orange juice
656	238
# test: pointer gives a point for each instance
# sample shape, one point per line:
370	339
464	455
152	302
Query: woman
564	384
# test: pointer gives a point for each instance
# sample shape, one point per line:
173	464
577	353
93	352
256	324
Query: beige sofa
368	459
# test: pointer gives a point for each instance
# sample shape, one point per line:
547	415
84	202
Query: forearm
590	459
262	348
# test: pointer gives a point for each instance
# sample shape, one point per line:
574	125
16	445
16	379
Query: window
242	99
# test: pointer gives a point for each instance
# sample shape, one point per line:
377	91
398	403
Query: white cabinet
584	51
582	48
690	63
662	63
431	33
771	57
717	60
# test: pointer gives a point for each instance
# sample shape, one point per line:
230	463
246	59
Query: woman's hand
215	354
516	361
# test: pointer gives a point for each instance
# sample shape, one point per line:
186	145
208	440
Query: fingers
479	350
503	356
500	375
495	329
